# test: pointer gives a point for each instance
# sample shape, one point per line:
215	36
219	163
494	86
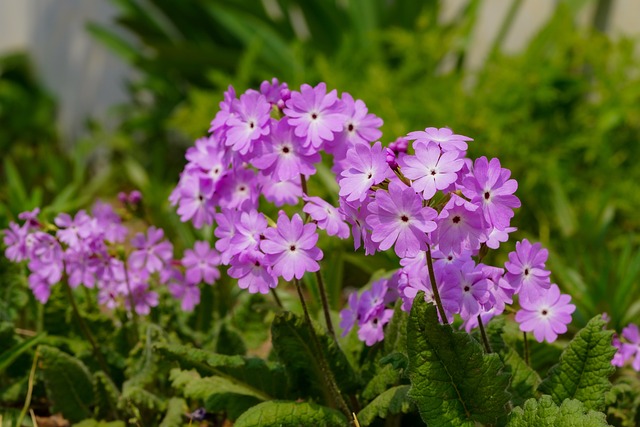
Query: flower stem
324	366
276	297
485	340
85	330
321	287
526	348
434	287
32	374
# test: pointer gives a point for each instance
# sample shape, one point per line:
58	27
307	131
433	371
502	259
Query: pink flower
291	247
201	264
431	170
151	253
397	216
526	271
547	316
368	166
315	114
249	122
460	226
444	137
253	272
326	216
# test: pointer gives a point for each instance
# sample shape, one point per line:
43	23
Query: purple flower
326	216
431	170
355	214
283	156
18	246
272	90
488	185
371	331
398	216
210	157
281	192
624	351
248	230
143	298
73	230
239	190
632	334
359	127
475	285
547	316
195	200
349	316
79	267
291	247
151	253
368	166
187	293
253	272
40	287
315	114
526	270
201	264
46	257
249	123
218	124
107	223
495	237
444	137
400	145
225	231
460	226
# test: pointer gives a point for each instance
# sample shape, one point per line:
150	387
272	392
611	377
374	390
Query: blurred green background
563	114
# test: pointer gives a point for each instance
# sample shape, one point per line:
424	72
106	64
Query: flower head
547	316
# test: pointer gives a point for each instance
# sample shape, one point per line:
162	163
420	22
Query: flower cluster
629	349
90	249
267	143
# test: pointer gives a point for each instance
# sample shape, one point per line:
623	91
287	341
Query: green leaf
393	401
387	376
524	379
545	413
584	368
196	387
452	381
95	423
264	377
68	383
107	395
176	408
293	343
233	405
8	356
282	413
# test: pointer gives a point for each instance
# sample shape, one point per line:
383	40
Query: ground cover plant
239	327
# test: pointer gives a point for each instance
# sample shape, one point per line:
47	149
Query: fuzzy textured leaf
545	413
233	405
386	377
253	372
196	387
282	413
176	407
584	368
524	379
68	383
293	344
452	381
107	395
393	401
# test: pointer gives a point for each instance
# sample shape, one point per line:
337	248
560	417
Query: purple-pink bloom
80	268
547	316
201	264
431	170
495	237
359	127
248	231
460	226
291	247
326	216
444	137
473	281
371	331
280	192
17	242
398	217
46	257
225	231
355	214
526	270
632	334
195	200
220	120
73	230
350	316
239	190
368	166
488	185
152	253
272	91
253	272
249	121
282	155
40	287
315	114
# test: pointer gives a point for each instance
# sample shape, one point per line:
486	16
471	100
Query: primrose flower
632	334
74	230
547	316
291	247
398	217
253	272
249	122
444	137
526	271
431	170
201	264
460	226
151	253
315	114
368	166
326	216
488	185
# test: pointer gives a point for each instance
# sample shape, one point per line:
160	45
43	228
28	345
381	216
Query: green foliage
524	379
8	356
584	368
449	371
176	407
68	382
295	348
545	413
623	401
392	401
107	396
290	414
96	423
